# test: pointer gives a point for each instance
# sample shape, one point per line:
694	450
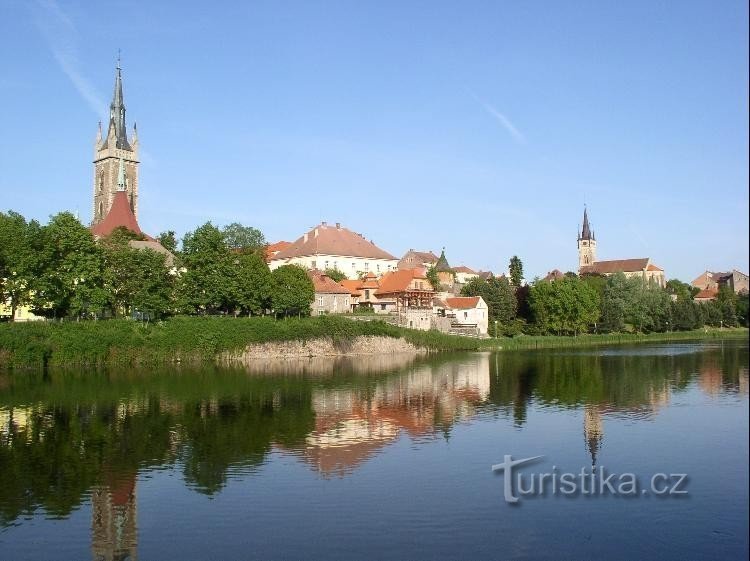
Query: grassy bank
196	340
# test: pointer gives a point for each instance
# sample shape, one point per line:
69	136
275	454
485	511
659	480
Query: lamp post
495	329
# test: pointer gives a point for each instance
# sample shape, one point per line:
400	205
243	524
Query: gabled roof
274	248
399	281
352	286
369	281
119	215
332	240
554	274
707	294
463	302
154	245
616	266
464	269
324	284
652	267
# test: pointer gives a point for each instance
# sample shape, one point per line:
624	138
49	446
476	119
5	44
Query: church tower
115	157
586	243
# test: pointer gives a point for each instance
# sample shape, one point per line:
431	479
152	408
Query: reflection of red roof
325	284
119	215
462	302
274	248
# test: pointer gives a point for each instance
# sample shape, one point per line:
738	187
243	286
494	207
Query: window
377	267
466	315
354	266
367	266
336	265
320	300
326	267
382	306
367	294
313	264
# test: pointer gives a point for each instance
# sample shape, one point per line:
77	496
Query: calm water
377	458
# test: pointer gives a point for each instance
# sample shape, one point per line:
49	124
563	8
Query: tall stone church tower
108	155
586	243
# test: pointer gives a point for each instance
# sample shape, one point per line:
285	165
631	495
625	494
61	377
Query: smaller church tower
586	243
115	159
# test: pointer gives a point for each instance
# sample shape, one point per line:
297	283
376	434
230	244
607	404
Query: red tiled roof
555	274
274	248
462	302
707	294
464	269
399	281
326	285
352	286
370	281
119	215
652	267
333	240
616	266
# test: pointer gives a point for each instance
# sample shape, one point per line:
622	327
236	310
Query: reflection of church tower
115	153
586	243
114	522
593	431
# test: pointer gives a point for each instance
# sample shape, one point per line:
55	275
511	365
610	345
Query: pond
382	458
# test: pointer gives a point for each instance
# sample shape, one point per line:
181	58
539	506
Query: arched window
101	182
101	209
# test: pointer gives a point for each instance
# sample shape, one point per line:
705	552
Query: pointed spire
586	231
117	111
121	184
442	263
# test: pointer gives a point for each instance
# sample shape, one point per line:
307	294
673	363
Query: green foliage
497	294
334	274
292	291
243	238
168	240
205	285
566	306
68	282
682	290
433	278
18	255
251	284
515	269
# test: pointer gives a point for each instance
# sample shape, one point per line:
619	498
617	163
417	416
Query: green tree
515	269
334	274
499	296
18	258
168	240
681	290
432	278
243	238
566	306
292	291
726	301
742	309
251	284
206	284
135	279
68	279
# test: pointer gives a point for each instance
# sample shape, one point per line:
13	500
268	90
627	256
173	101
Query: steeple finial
117	111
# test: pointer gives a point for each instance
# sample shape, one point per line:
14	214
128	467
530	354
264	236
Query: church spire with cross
586	243
115	156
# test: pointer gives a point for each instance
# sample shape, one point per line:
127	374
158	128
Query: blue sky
479	126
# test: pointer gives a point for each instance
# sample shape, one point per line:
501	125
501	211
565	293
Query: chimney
325	223
338	225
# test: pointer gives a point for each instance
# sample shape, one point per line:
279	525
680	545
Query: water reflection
67	438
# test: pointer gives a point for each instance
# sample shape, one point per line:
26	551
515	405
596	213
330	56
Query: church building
115	159
588	265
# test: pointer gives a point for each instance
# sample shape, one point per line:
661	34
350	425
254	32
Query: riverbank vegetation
198	340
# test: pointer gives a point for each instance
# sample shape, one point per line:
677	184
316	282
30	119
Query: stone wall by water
358	346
